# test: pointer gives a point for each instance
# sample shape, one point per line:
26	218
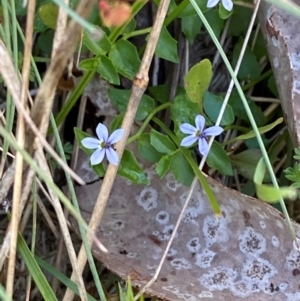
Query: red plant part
114	13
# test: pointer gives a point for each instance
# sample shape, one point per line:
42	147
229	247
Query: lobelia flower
226	3
198	134
103	145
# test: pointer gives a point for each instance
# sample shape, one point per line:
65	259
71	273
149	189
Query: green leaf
250	68
117	122
44	42
48	13
183	110
212	105
61	277
239	21
160	93
189	10
35	271
125	58
79	134
166	47
130	26
217	158
146	150
239	110
269	193
216	23
272	85
107	70
120	98
130	169
197	81
181	169
89	64
191	27
261	130
163	165
223	12
95	45
246	161
39	25
161	142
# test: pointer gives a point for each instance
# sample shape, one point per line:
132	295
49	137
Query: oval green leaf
125	58
197	81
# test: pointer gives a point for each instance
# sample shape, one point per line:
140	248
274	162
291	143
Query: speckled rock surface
246	254
282	35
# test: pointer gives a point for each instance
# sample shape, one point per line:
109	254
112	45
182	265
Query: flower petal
200	122
189	140
212	3
97	156
116	136
227	4
90	143
203	146
213	131
102	132
112	156
187	128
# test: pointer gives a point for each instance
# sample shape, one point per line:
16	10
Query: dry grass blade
140	84
40	158
20	136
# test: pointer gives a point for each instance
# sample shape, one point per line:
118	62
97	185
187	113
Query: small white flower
226	3
198	134
103	145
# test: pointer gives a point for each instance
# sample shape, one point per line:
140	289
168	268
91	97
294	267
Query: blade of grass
35	271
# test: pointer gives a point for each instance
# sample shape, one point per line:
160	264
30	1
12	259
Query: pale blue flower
226	3
198	134
103	145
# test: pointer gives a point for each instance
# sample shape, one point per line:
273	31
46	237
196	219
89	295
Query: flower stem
147	120
202	179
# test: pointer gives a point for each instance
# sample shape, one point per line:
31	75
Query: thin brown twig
140	84
20	136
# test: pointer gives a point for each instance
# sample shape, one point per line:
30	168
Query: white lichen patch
187	297
218	278
295	60
293	296
275	241
215	230
283	286
206	294
162	217
258	271
148	198
171	288
241	289
165	234
279	224
172	252
262	224
172	184
204	259
252	242
193	245
131	255
292	261
296	86
195	208
181	264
